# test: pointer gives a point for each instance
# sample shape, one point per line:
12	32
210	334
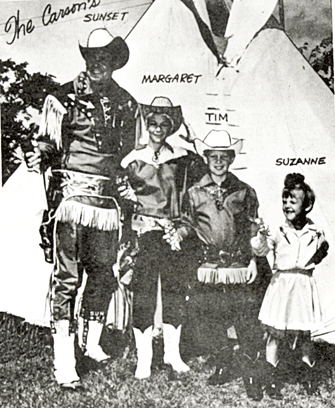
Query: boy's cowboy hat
163	105
101	39
217	140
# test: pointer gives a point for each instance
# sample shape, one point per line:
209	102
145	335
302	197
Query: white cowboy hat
102	39
163	105
217	140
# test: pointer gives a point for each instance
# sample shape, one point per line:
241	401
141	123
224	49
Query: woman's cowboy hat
163	105
217	140
101	39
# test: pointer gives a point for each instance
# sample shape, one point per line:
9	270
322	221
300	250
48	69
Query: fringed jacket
84	136
223	218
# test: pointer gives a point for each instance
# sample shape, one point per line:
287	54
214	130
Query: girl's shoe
310	380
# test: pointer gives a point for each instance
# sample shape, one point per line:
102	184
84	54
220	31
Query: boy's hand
252	271
263	229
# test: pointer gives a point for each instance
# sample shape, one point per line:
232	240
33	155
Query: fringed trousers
80	248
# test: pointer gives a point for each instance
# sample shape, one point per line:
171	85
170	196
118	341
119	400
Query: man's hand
252	271
33	159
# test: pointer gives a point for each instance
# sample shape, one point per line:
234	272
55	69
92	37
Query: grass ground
26	379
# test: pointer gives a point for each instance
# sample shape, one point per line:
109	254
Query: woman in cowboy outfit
157	177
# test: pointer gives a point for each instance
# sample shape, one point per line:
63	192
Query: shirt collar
147	155
309	226
207	181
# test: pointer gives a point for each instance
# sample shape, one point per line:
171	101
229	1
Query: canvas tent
24	275
269	96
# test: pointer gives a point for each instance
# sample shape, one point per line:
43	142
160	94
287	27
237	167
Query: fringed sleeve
51	121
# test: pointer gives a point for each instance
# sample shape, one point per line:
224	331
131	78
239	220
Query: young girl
157	175
291	308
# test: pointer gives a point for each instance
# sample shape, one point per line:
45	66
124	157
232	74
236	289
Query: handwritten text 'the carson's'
49	16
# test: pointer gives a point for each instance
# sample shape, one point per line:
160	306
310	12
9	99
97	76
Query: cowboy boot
273	385
64	357
251	375
171	348
222	372
93	349
143	343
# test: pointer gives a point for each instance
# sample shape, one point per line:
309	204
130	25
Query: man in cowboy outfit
222	211
86	130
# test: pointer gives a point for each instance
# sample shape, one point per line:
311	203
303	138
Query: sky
305	20
308	20
47	45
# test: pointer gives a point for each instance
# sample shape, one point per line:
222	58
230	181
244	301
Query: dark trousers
156	257
244	304
207	322
80	248
212	309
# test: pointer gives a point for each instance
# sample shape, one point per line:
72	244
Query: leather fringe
211	273
51	120
100	218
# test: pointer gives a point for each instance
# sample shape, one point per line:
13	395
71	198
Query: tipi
268	95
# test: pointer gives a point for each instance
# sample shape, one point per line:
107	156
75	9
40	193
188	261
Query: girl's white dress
291	301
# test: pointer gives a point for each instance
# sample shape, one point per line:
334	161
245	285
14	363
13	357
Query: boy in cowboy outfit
220	209
85	131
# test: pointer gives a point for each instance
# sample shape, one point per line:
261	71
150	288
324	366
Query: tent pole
139	19
281	13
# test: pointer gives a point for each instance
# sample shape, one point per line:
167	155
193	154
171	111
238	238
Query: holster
54	197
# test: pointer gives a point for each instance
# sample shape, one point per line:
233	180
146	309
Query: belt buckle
225	258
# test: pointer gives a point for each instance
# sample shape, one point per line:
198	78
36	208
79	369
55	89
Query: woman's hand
173	238
127	192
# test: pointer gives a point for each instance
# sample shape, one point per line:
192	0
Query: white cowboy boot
171	348
144	352
64	358
93	349
80	333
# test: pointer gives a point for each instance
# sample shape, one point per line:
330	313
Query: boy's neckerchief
219	193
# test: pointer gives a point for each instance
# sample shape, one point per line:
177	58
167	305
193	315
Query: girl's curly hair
297	181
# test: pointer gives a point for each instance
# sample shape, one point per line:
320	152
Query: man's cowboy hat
217	140
164	106
101	39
